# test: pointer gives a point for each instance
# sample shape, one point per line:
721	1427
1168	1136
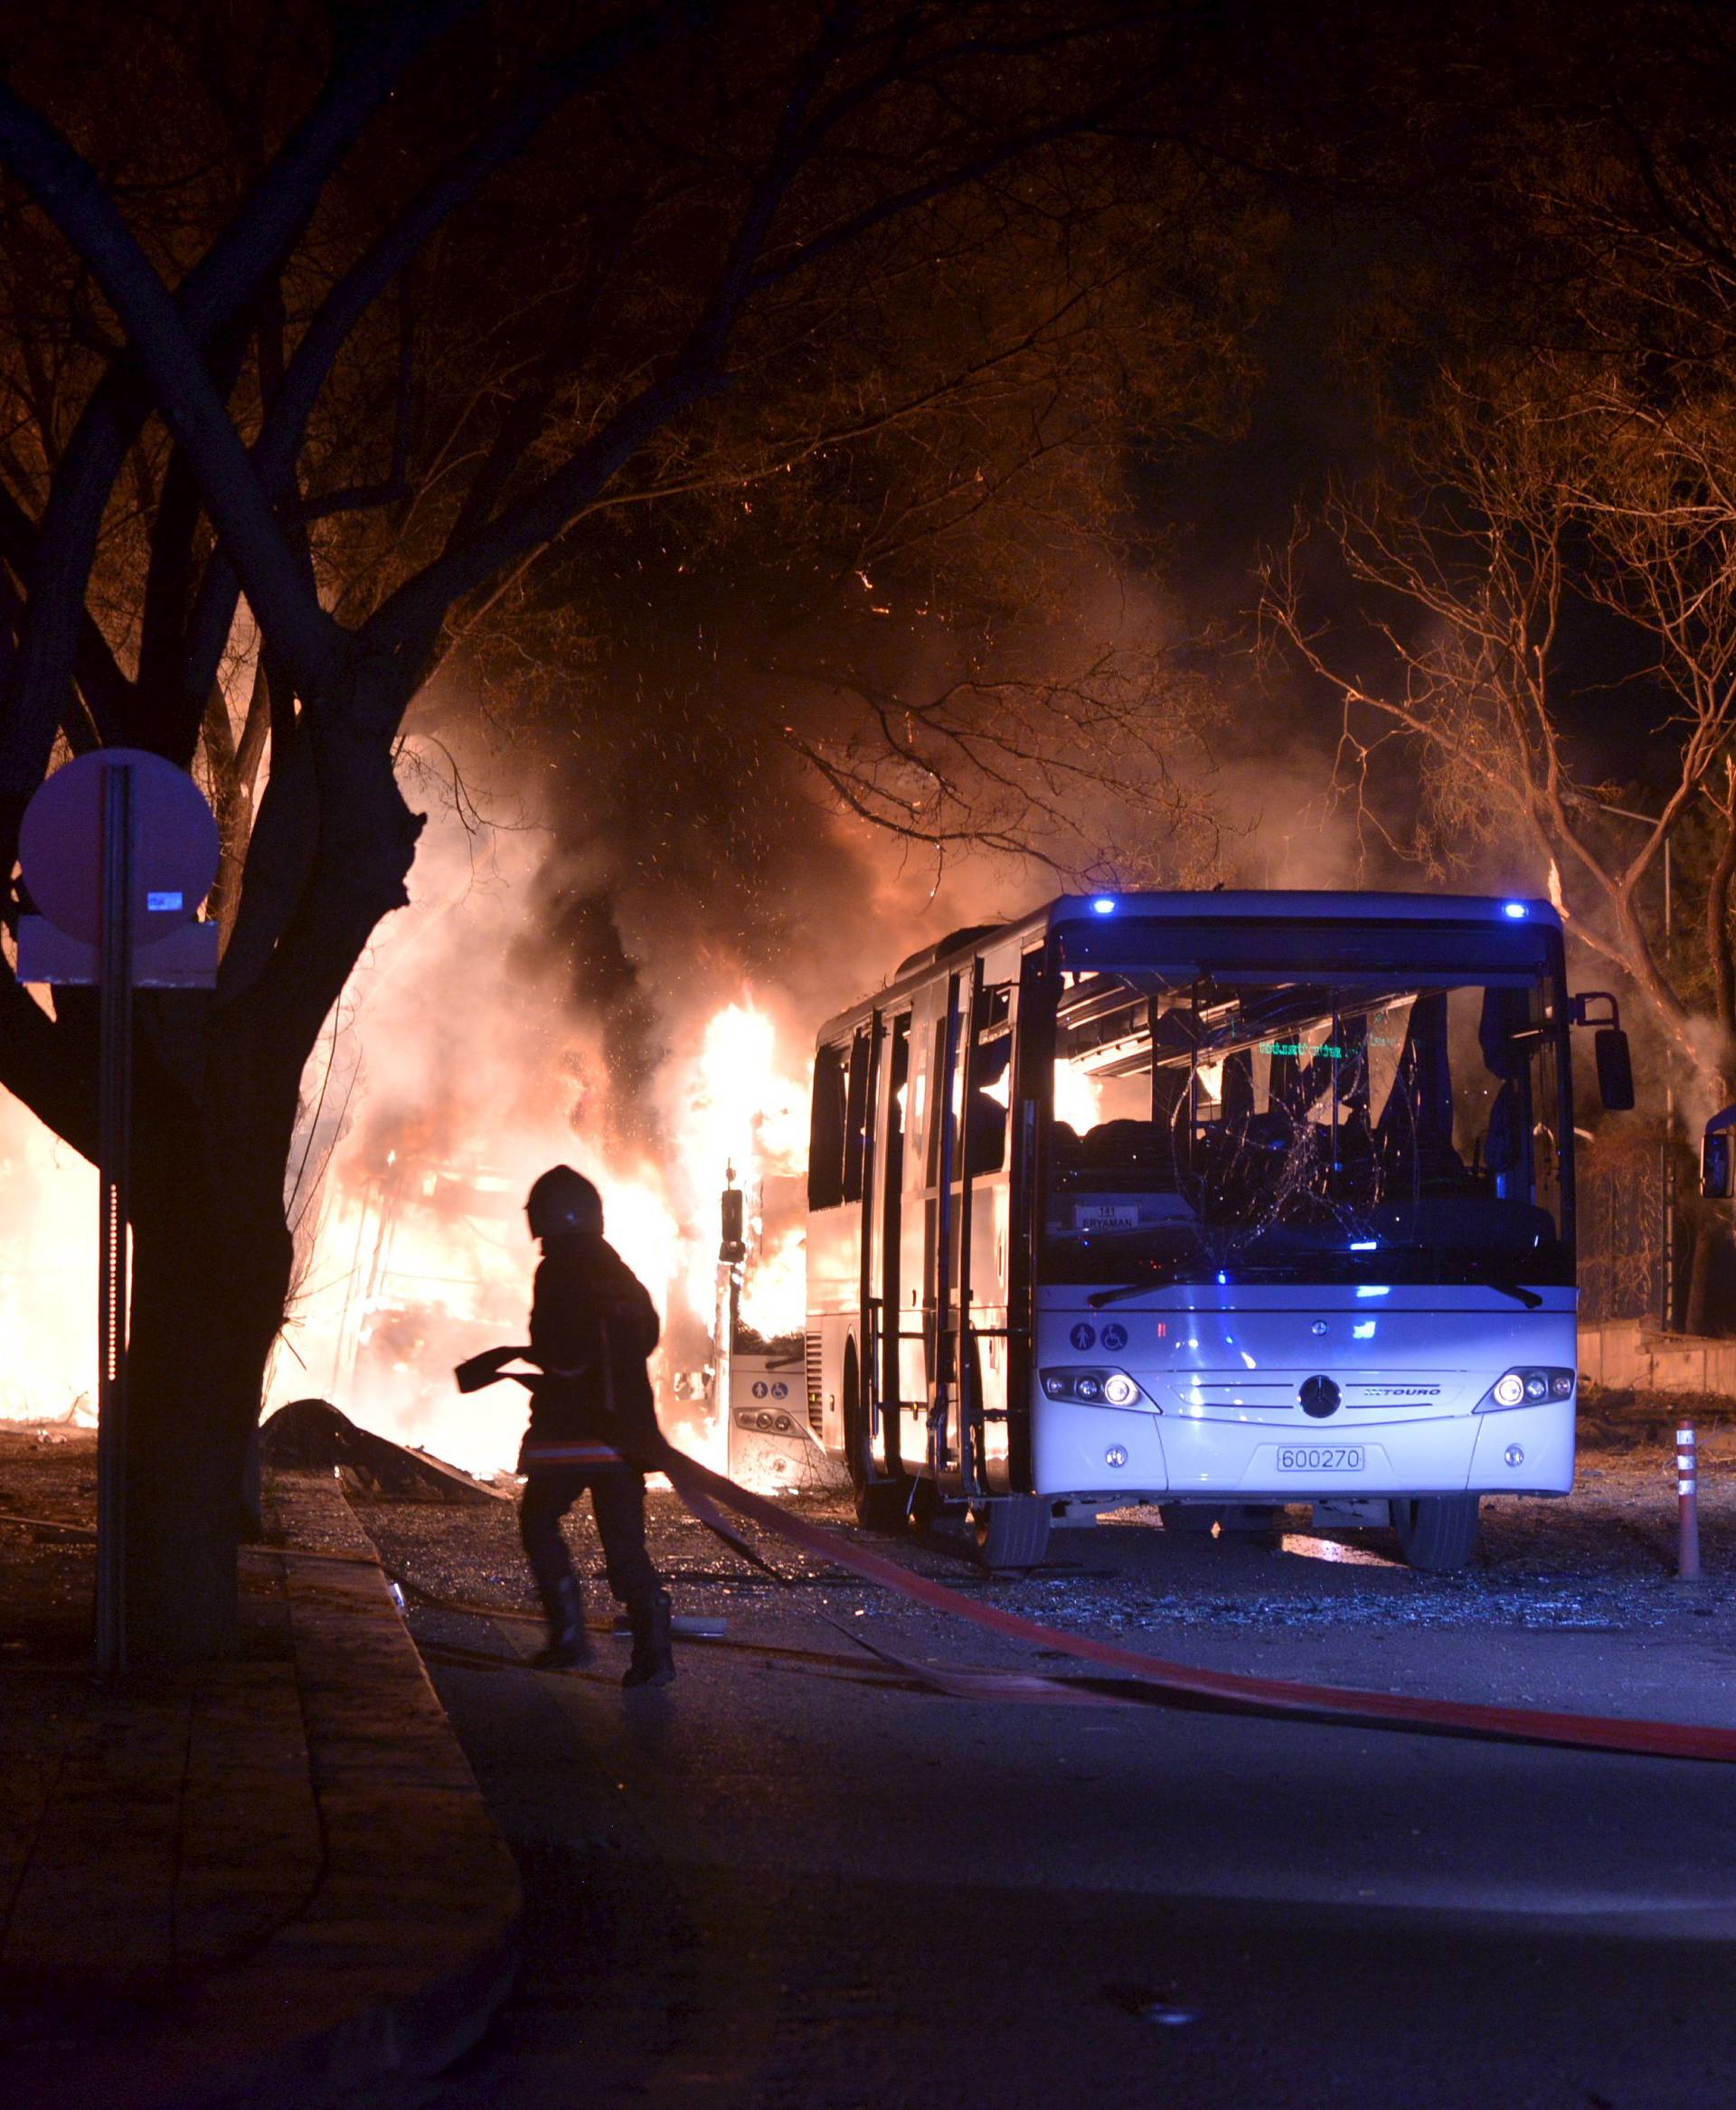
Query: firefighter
594	1424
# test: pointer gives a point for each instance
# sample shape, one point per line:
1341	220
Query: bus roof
1275	905
1311	902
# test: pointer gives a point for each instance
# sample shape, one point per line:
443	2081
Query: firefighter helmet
563	1201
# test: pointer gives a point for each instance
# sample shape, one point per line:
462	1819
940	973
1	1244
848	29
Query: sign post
118	850
114	1171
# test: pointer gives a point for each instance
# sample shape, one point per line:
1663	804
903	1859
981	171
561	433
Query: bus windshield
1323	1103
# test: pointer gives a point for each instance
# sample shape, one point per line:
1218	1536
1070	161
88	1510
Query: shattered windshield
1332	1115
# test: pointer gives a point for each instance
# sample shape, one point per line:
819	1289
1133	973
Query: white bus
1221	1202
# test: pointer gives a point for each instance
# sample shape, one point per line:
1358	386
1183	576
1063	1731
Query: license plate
1321	1458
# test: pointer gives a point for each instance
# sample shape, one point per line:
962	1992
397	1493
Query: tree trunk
213	1255
211	1271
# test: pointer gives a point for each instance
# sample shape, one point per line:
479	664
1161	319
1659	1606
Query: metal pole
723	1364
1687	1507
114	1154
731	1252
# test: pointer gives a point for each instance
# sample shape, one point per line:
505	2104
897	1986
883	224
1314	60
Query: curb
408	1944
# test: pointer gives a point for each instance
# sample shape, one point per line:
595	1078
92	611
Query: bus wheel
1012	1531
1436	1532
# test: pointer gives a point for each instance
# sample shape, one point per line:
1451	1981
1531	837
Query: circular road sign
174	844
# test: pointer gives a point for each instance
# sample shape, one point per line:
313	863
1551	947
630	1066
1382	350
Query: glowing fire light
1078	1099
774	1298
740	1114
414	1248
420	1265
48	1305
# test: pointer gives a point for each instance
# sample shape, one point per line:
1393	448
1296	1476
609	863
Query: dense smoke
620	966
621	941
572	987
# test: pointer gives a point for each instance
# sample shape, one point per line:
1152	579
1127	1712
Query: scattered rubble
1597	1562
312	1434
1600	1562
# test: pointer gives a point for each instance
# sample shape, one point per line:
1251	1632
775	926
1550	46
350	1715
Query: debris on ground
312	1434
1599	1561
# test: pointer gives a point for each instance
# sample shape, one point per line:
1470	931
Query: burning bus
1221	1202
754	1389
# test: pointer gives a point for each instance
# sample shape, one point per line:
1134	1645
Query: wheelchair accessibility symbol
780	1391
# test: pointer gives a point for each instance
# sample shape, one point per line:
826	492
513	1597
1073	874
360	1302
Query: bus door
1032	1098
930	1041
983	1240
940	1230
966	1218
883	1271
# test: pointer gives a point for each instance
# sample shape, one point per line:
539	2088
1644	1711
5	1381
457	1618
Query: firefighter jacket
593	1326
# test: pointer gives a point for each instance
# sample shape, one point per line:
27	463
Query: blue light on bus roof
1223	1278
1374	1289
1104	905
1517	910
1365	1245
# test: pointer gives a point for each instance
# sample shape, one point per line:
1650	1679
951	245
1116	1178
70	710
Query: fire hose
1151	1680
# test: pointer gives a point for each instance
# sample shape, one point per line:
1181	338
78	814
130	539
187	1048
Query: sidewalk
245	1883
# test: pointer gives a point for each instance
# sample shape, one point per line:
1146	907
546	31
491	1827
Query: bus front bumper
1090	1450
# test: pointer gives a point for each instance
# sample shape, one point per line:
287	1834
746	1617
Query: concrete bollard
1687	1507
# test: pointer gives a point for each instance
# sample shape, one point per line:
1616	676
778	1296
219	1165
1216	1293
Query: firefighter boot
654	1660
569	1642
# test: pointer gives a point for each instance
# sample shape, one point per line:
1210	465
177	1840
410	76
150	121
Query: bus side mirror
733	1245
1615	1069
1718	1157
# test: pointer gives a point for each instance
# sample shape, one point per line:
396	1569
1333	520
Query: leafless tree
1467	732
351	329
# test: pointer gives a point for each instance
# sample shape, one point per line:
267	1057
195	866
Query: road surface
793	1881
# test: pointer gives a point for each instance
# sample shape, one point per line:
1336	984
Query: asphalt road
793	1881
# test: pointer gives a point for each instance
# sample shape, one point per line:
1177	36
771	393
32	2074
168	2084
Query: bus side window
985	1145
826	1136
990	1111
855	1132
938	1084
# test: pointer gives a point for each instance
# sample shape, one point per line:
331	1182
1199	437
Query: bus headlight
1526	1387
1108	1387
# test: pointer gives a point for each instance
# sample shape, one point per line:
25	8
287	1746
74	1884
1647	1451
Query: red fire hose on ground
1164	1683
1150	1680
